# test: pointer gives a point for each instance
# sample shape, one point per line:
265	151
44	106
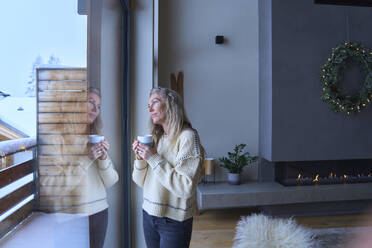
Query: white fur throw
260	231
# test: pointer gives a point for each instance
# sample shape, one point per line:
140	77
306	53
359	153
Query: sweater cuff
140	164
155	160
104	164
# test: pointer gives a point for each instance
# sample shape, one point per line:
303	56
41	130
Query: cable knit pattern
169	178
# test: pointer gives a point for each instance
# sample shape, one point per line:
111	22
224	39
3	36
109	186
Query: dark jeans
163	232
97	228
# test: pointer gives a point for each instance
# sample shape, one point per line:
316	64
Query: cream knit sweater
77	189
169	178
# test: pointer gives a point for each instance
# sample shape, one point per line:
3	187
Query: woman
101	175
168	172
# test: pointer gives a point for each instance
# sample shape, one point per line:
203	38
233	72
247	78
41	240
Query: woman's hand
145	151
99	151
105	146
135	149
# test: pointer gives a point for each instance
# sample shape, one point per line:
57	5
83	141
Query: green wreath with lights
338	99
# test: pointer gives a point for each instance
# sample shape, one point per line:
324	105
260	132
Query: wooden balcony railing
18	177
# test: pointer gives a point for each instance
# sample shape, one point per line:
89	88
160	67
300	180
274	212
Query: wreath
338	99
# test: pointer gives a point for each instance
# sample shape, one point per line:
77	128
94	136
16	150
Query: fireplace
302	142
323	172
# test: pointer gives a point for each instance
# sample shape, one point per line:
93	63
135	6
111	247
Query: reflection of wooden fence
62	134
17	182
62	149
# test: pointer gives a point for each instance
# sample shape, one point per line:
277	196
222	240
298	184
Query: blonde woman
101	175
80	187
168	172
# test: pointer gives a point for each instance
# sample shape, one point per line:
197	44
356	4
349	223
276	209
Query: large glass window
45	36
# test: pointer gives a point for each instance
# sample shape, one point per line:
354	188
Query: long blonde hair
175	116
96	126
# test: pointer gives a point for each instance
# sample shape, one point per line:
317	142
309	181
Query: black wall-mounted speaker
219	39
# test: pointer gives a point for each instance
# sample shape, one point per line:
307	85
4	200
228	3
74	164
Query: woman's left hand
99	151
105	146
145	151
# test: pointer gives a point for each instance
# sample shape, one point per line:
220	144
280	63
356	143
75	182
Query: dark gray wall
303	127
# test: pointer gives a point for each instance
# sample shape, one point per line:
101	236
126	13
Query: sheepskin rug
260	231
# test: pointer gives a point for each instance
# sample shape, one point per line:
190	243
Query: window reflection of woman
101	175
98	151
168	172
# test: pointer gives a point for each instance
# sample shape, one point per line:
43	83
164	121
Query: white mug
95	138
145	139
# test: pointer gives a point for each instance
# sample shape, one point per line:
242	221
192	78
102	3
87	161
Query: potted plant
235	162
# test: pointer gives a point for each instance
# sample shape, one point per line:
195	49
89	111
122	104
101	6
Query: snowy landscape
50	33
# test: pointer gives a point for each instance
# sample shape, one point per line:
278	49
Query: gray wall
110	84
303	128
220	81
141	83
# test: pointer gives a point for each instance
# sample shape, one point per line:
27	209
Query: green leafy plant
236	160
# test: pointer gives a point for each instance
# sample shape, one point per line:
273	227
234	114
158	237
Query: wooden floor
215	228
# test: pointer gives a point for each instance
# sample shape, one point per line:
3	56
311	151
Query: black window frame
125	125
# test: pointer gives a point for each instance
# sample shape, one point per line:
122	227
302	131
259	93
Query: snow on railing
17	145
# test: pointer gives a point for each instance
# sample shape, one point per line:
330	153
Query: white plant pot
233	178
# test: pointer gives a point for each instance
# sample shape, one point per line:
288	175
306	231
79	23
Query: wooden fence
62	135
18	179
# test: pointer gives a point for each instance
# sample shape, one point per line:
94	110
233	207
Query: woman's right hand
135	149
95	151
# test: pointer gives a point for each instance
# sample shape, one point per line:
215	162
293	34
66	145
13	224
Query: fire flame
332	175
316	178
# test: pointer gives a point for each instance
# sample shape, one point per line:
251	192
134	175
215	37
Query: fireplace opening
323	172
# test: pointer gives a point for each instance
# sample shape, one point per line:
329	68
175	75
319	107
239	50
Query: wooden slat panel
63	85
57	75
63	190
11	174
45	139
63	107
60	202
71	180
63	128
6	161
62	149
14	219
15	197
63	170
20	156
61	160
62	96
63	118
